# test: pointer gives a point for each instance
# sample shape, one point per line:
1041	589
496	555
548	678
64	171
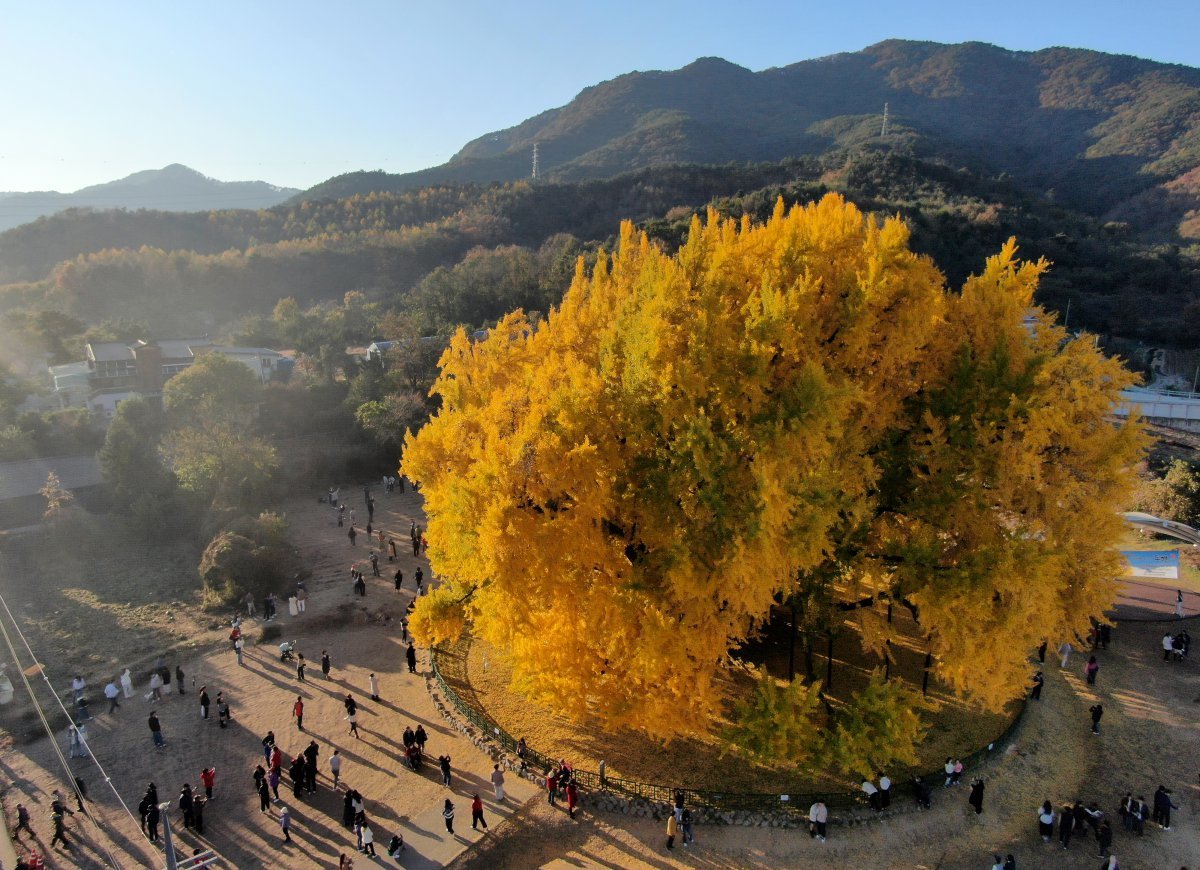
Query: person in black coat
1097	711
1104	837
1066	826
976	798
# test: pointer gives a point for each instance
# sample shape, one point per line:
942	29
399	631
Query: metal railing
791	802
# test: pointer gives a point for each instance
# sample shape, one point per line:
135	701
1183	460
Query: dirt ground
122	604
1150	736
109	608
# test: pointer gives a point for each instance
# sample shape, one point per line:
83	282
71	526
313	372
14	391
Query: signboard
1160	564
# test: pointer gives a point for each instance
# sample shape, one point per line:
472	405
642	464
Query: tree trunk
792	648
829	662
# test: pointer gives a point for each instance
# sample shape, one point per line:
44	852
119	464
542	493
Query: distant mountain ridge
1096	130
172	188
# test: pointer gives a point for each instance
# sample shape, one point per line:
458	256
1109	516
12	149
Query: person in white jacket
818	815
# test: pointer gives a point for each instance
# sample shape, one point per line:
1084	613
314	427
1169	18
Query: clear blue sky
296	92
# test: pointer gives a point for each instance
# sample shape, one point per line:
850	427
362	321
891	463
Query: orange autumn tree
799	408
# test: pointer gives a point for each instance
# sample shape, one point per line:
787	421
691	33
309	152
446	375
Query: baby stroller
287	651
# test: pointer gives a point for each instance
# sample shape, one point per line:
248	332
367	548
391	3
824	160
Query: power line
50	731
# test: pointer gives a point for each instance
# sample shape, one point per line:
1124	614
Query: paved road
1141	598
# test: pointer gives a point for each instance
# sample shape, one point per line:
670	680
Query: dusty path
362	636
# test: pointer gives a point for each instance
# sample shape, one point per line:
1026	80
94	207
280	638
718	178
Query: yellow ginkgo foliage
794	408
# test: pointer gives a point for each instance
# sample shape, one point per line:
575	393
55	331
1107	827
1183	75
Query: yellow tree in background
796	409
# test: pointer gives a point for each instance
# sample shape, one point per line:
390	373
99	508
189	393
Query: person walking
498	782
391	549
368	838
374	559
444	765
237	649
179	679
156	684
976	797
22	823
1168	646
1042	653
352	718
60	834
1039	680
352	535
126	683
112	693
1104	838
1066	826
208	779
301	664
301	599
477	813
374	682
1065	651
298	712
885	790
1097	711
156	730
1163	806
949	768
399	578
77	740
1046	822
204	702
335	767
223	715
285	823
1179	603
411	655
448	816
1093	667
420	738
325	665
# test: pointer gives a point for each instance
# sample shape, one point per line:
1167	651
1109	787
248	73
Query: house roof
109	351
245	351
181	348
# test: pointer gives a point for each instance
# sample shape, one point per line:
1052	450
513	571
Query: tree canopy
799	409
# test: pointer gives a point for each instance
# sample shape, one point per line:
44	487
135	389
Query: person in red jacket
208	778
298	712
477	814
572	798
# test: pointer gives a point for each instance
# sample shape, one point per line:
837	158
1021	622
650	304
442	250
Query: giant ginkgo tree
794	410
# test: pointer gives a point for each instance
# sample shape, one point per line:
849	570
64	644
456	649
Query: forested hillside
1106	134
463	254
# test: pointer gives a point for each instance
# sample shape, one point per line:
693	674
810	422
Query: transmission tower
535	161
883	131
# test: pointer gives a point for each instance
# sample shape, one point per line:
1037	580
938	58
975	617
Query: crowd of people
302	772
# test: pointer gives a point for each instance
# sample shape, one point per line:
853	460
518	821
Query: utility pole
883	131
535	161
